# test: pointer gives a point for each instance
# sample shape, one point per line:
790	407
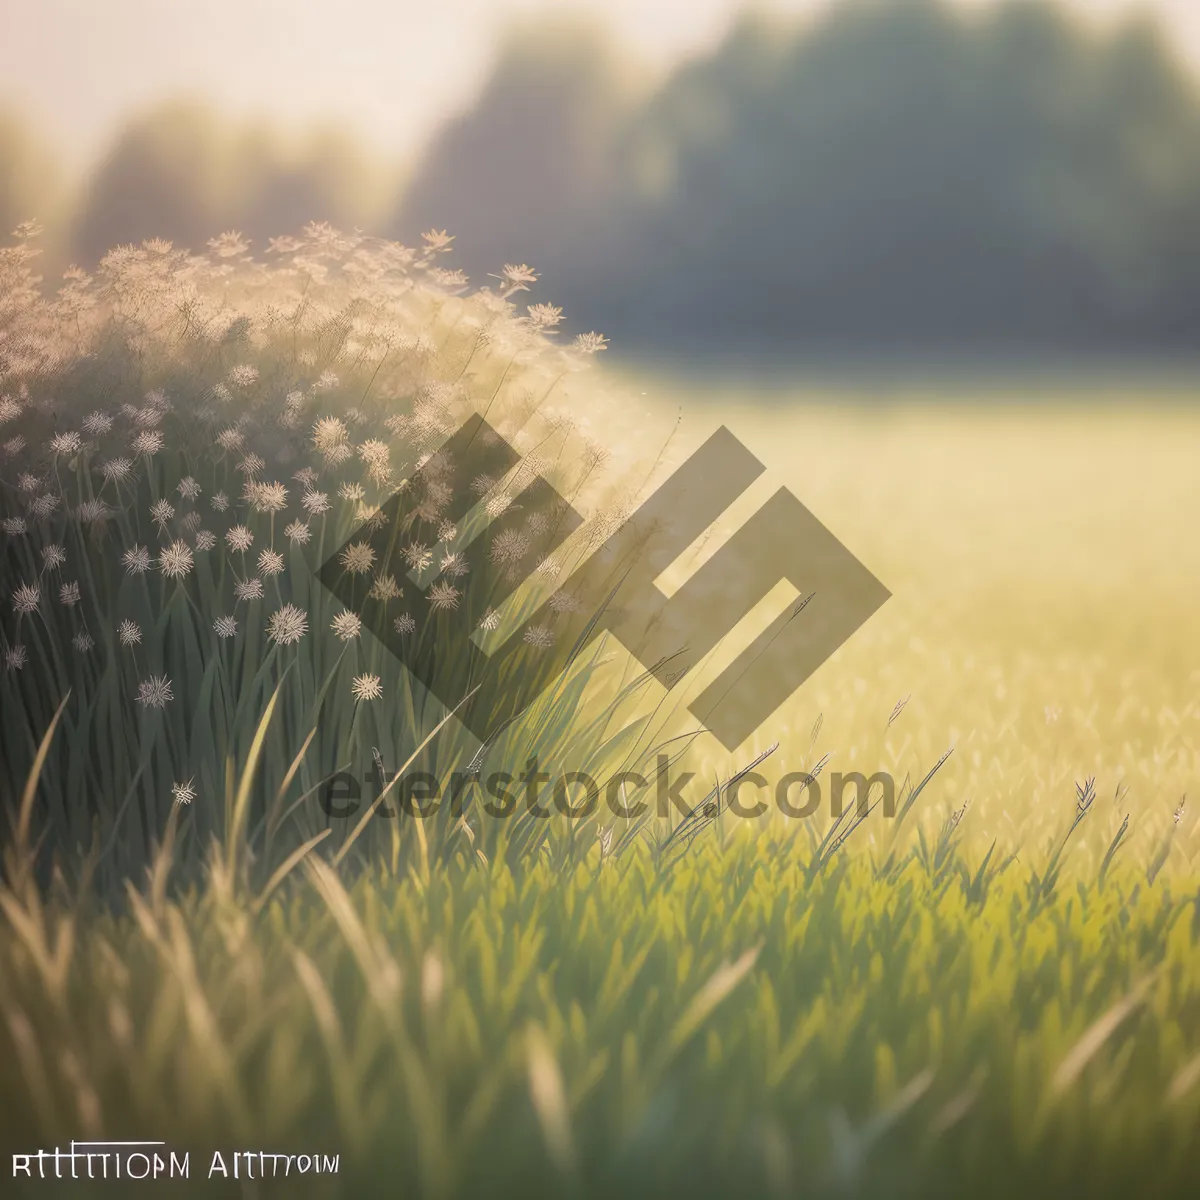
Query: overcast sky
388	69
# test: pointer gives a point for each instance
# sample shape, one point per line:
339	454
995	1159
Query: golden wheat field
1039	546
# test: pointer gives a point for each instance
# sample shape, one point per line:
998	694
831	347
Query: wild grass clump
187	439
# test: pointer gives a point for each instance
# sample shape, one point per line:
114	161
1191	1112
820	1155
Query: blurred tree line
181	173
896	174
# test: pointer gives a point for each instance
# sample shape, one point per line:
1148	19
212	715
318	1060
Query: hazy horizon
388	73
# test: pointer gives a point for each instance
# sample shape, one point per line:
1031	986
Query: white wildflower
346	625
287	625
367	687
155	692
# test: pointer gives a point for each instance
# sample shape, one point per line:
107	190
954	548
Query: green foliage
733	1022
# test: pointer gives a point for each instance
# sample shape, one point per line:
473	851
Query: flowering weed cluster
183	439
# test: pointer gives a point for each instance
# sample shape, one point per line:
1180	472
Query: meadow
996	989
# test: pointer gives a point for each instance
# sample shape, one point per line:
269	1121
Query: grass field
995	992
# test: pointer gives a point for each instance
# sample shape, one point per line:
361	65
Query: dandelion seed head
417	556
66	443
374	451
249	589
225	627
176	560
148	443
315	503
239	538
161	512
115	470
385	588
270	497
243	375
26	599
498	505
509	547
367	687
538	636
129	633
443	596
590	343
270	563
15	658
346	625
518	276
287	625
43	506
454	565
97	424
358	558
184	793
53	557
83	641
404	623
69	593
298	533
219	501
329	432
544	316
136	560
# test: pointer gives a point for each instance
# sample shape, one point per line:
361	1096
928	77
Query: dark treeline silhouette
897	174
